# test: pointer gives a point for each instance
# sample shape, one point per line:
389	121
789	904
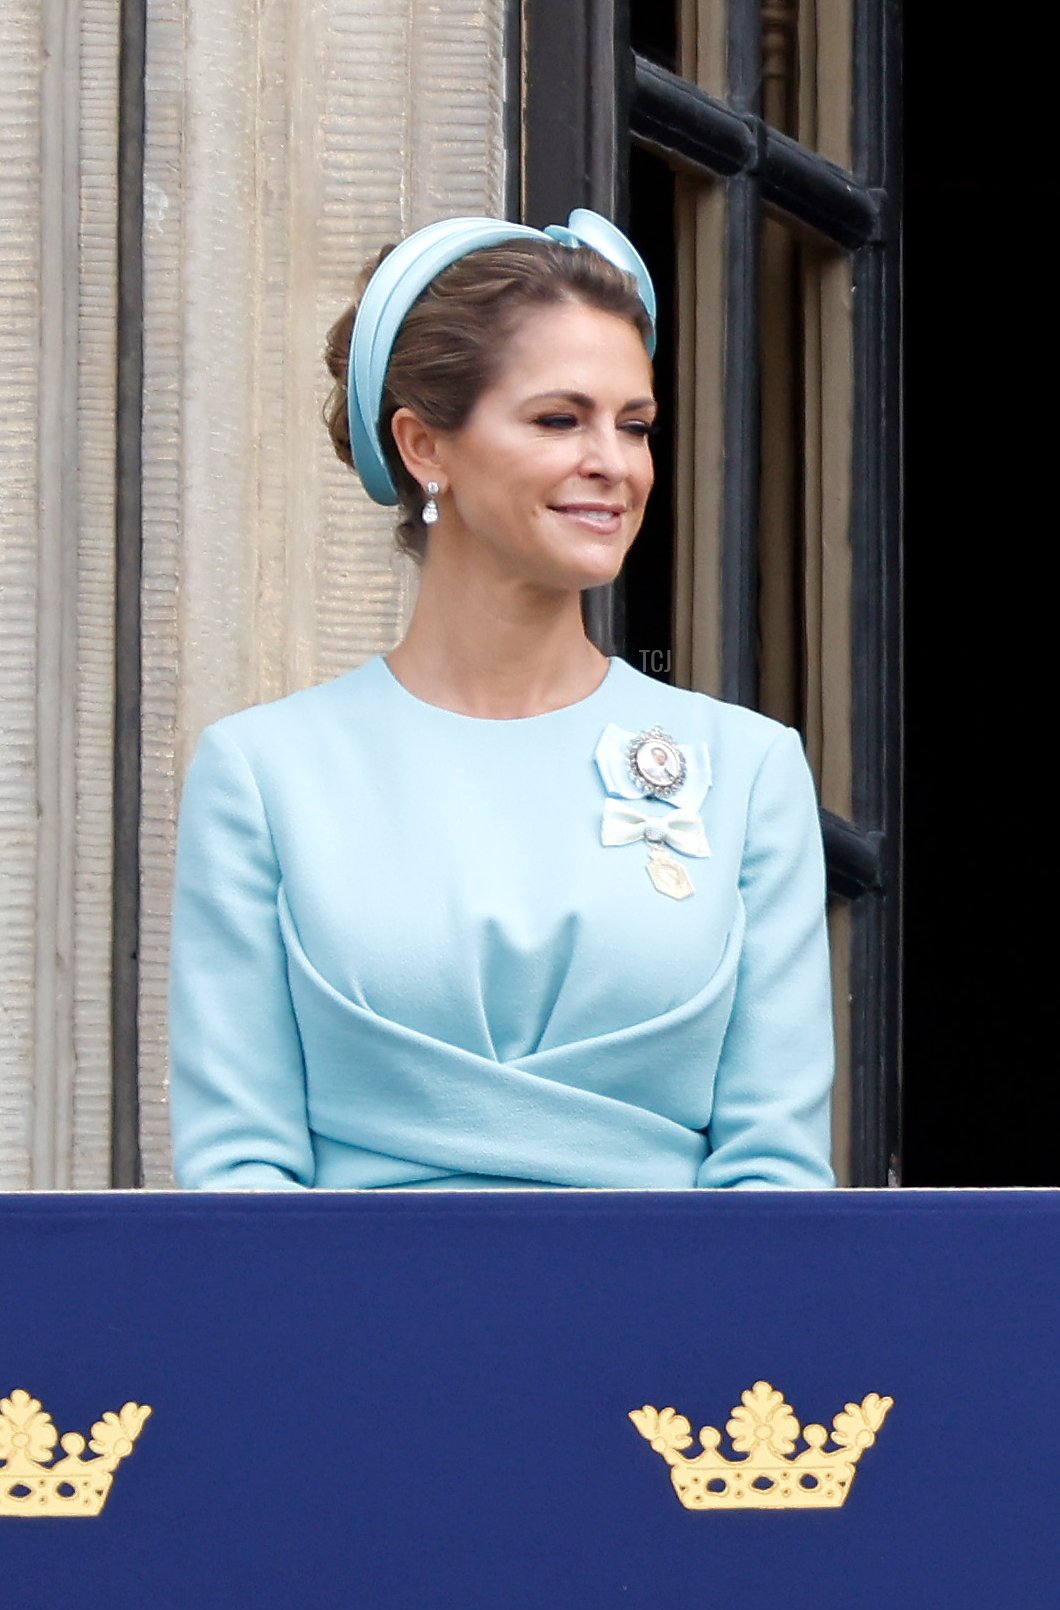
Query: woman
494	910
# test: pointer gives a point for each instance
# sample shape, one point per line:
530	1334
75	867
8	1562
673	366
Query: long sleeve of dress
238	1081
770	1125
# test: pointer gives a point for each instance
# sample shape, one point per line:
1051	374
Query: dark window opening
648	574
606	122
982	328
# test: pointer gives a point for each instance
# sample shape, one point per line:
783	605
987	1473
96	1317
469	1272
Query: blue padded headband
408	270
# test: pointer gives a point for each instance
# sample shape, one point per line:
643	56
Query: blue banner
396	1401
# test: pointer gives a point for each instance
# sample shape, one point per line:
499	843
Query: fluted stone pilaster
58	119
284	144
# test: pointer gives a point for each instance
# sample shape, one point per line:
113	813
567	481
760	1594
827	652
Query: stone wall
283	144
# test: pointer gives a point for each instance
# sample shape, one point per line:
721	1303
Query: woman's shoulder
270	727
688	715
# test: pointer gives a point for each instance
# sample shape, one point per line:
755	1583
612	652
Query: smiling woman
433	920
545	485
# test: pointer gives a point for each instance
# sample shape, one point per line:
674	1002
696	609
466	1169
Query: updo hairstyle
450	347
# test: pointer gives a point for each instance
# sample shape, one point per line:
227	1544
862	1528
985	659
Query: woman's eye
556	421
639	427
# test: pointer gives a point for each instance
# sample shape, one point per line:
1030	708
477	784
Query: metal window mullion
742	416
607	192
575	133
683	122
513	108
816	192
876	606
854	857
692	129
575	153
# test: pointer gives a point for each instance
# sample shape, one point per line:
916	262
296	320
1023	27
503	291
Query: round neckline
499	721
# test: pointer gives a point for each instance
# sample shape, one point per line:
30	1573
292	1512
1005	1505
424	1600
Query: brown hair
451	344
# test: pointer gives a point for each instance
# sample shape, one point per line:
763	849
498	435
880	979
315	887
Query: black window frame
585	99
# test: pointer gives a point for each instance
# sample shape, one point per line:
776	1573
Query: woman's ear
418	445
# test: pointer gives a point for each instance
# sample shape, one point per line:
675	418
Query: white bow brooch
636	766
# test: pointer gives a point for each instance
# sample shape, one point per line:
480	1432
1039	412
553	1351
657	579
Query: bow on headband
408	270
623	823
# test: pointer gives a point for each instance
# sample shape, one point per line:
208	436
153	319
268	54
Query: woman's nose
604	455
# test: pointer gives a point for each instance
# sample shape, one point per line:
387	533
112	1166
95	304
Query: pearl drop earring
430	508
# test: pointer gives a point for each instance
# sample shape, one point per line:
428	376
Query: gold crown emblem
764	1429
34	1482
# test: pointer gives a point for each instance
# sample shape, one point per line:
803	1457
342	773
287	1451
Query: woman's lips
604	518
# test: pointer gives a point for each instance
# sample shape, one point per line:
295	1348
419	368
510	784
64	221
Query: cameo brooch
635	768
656	764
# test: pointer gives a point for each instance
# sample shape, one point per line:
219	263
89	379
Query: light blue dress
402	955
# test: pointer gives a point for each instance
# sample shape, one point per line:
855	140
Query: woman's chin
597	564
606	569
578	578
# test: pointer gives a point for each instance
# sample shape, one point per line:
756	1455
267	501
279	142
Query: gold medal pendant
667	874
